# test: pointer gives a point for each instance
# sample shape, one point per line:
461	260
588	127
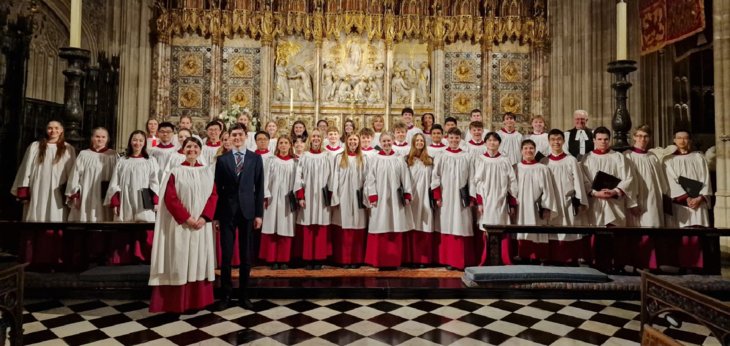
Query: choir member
475	115
165	148
348	128
450	123
151	127
537	203
186	122
400	144
322	126
213	142
418	243
437	146
300	145
607	206
87	184
427	122
38	184
688	211
450	182
570	182
349	220
539	136
277	231
475	146
378	128
366	140
411	129
649	187
333	141
182	270
262	147
388	187
225	146
495	189
44	170
313	218
579	139
298	129
271	129
178	157
134	178
511	138
245	119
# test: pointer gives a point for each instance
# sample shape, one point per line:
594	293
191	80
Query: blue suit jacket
243	192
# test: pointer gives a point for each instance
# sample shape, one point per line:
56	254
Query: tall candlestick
291	100
621	31
413	99
75	27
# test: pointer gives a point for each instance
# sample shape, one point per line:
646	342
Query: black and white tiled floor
348	322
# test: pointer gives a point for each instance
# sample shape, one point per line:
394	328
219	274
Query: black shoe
275	266
309	267
245	303
317	267
355	266
223	304
283	266
421	266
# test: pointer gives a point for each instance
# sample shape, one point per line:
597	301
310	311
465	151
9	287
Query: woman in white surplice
388	187
135	172
536	202
183	253
45	168
87	185
418	244
348	219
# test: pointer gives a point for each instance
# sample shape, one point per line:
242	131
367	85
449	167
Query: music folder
691	187
464	194
604	180
148	201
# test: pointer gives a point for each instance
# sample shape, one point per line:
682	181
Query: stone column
540	76
216	76
389	60
267	78
437	83
721	52
486	88
317	81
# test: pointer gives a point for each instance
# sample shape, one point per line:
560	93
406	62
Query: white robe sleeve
22	178
154	180
74	181
114	183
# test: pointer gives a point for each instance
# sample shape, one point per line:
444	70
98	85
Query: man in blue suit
239	180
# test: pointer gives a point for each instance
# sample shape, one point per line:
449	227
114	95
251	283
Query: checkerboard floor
348	322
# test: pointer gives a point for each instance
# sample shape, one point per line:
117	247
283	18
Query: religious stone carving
353	72
300	81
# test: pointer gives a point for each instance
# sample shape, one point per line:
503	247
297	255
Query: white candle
621	31
75	40
291	100
413	99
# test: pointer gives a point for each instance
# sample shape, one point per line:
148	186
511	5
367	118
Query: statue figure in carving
399	87
282	84
424	83
355	54
328	82
305	83
359	89
376	93
344	91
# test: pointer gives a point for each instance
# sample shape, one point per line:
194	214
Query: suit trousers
248	251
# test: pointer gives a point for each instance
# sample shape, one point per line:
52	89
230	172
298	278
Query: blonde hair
400	126
308	140
421	154
291	145
535	117
344	161
378	117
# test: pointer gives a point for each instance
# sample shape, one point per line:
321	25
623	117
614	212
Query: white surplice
181	254
44	180
570	182
536	189
278	217
209	152
510	146
401	149
423	215
161	156
385	175
495	181
612	210
648	186
693	166
476	149
541	142
451	172
346	212
131	175
91	169
313	174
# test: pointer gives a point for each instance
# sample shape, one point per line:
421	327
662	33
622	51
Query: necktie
239	162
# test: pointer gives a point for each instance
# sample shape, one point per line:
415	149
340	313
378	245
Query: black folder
360	199
293	202
148	201
576	205
604	180
539	156
401	196
691	187
464	194
431	200
326	198
104	188
667	205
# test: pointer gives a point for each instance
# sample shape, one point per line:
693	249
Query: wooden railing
663	300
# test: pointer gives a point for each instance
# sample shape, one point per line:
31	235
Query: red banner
664	22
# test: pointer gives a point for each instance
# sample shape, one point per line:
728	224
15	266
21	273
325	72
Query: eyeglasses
164	131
